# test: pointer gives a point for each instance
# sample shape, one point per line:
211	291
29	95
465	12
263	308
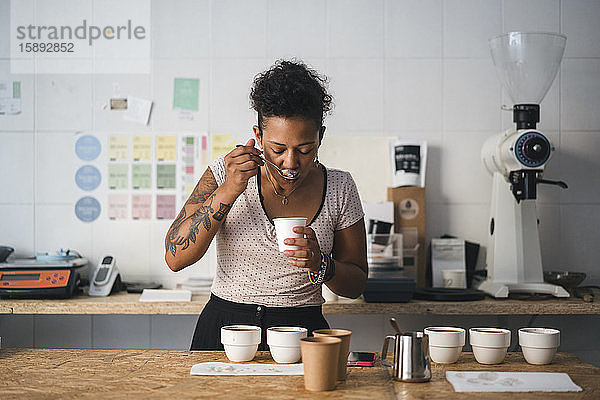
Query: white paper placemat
491	381
159	295
220	368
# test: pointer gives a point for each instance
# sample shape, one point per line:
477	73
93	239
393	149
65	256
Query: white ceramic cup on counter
489	344
539	345
284	229
240	341
284	343
445	343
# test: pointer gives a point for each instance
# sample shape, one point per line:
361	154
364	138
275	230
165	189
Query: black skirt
219	312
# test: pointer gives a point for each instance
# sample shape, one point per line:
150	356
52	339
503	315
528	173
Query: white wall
417	69
397	68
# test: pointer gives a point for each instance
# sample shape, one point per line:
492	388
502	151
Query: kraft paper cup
240	341
539	345
344	335
320	356
445	343
284	229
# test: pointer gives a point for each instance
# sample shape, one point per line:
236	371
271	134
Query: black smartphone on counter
361	359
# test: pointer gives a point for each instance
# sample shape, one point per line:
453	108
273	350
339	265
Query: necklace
284	198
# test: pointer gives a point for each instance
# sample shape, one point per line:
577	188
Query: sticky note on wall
10	97
118	176
138	110
118	148
165	176
185	94
141	176
166	148
221	143
142	148
117	205
141	206
204	149
165	206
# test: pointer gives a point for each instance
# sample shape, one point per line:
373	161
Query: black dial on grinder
532	149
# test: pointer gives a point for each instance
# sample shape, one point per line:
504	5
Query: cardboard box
409	219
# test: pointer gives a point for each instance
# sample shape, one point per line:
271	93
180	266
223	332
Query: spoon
286	173
395	326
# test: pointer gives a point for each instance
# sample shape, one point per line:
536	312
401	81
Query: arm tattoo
202	194
205	187
202	215
223	210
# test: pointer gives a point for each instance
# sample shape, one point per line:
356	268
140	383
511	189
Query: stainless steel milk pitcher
411	357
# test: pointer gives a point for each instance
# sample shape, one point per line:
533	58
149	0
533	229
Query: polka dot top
250	268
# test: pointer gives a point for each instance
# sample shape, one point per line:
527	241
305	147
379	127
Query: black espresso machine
40	277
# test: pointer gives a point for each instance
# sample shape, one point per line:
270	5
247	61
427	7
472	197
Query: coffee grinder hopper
527	63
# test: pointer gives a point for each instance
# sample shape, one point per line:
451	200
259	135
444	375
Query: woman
237	199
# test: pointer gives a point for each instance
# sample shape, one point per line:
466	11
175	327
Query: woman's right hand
241	164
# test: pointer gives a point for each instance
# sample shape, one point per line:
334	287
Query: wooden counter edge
126	303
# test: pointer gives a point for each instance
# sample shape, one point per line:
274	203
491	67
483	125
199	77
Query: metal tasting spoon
286	173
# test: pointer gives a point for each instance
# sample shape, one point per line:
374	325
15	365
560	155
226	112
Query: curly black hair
290	89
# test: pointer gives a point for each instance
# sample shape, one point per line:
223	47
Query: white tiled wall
413	29
286	19
181	34
397	68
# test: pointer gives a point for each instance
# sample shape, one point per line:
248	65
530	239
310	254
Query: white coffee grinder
526	64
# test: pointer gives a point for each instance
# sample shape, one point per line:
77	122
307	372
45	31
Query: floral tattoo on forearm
203	194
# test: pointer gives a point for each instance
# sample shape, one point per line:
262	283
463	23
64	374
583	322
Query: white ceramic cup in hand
240	341
454	278
445	343
284	229
284	343
539	344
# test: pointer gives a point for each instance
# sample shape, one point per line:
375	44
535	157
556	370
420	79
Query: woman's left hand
309	253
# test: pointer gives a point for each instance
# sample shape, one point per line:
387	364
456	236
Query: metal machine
42	276
526	64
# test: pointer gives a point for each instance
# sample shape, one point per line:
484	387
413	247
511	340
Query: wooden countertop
584	375
147	374
126	303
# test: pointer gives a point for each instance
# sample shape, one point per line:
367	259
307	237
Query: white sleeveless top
250	268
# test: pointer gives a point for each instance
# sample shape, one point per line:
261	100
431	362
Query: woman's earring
316	160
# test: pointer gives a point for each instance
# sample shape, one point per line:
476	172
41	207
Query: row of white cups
241	342
490	345
325	355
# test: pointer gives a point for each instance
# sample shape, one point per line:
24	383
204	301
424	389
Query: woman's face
290	143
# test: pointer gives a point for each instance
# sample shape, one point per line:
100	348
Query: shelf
126	303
